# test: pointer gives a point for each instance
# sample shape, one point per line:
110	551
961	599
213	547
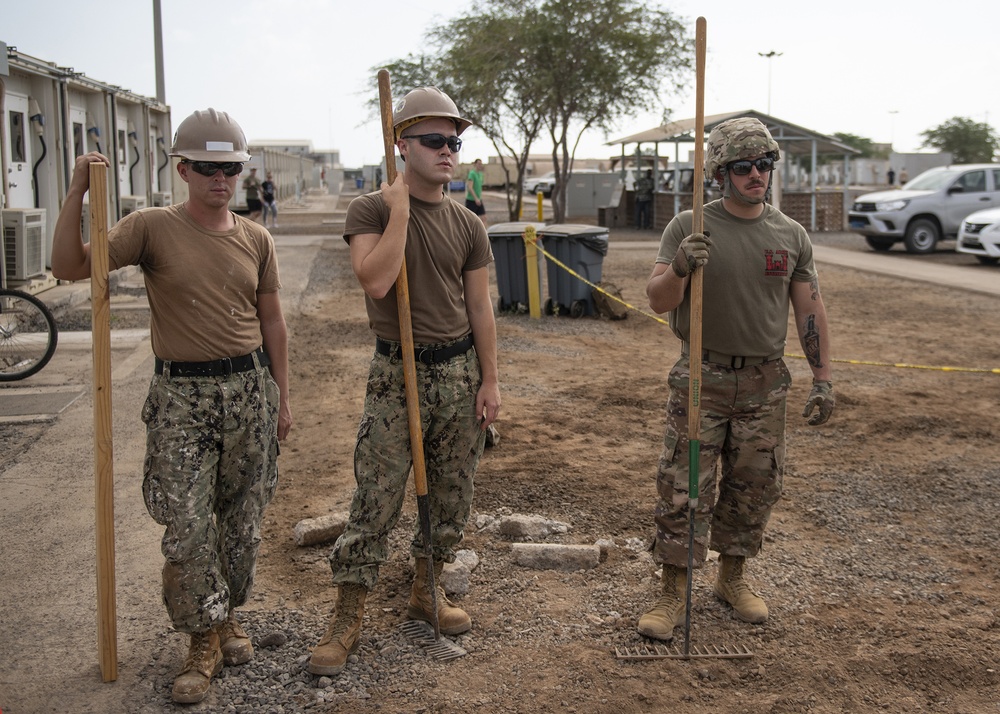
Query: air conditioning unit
161	198
131	204
24	242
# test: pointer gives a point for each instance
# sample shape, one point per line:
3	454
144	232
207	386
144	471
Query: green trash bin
510	263
581	248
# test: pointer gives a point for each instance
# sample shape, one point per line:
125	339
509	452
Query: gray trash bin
581	248
509	257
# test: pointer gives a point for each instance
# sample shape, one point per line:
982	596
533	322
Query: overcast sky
299	69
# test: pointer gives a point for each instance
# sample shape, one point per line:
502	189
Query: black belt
214	368
426	354
732	361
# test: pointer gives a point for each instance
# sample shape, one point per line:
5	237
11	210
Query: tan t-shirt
748	276
443	241
202	285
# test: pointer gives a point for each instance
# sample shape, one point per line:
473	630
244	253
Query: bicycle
28	335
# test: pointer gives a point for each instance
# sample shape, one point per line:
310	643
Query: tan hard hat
209	135
426	103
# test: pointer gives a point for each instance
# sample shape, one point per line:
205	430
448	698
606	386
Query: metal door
17	145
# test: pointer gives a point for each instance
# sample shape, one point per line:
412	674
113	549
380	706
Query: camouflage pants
453	444
211	468
743	422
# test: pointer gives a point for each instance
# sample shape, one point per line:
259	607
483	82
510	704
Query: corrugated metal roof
792	139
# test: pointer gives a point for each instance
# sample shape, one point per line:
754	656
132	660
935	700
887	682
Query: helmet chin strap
728	190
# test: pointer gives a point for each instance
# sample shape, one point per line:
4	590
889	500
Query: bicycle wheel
27	335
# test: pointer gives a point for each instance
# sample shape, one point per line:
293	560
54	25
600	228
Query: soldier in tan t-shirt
757	263
447	256
218	401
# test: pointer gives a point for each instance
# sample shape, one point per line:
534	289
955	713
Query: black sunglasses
210	168
742	168
436	141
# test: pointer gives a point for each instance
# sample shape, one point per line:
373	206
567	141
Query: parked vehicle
929	209
545	184
980	236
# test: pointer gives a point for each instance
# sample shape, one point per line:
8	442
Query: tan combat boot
234	642
204	661
451	619
668	610
342	636
732	588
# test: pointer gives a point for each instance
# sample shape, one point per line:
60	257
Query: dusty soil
878	565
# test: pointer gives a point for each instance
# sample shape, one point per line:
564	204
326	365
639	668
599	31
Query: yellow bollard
541	198
531	256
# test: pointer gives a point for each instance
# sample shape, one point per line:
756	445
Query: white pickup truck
929	208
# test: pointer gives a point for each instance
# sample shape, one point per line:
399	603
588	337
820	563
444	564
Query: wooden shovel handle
403	302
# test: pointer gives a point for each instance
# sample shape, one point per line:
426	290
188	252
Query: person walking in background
644	187
890	177
447	254
903	176
251	184
756	263
474	191
269	199
218	401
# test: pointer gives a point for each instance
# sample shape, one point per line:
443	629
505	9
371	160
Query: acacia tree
597	61
487	64
478	61
969	142
516	66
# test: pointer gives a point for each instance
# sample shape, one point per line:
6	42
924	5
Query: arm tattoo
810	343
814	288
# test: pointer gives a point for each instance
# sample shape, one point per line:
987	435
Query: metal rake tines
696	652
422	633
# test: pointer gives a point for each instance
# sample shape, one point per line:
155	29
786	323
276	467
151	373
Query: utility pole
770	56
161	92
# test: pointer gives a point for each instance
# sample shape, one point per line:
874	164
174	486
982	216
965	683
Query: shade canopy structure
792	138
794	141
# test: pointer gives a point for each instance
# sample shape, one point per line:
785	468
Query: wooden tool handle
104	482
403	302
698	226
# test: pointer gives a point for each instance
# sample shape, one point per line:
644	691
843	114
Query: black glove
821	396
692	252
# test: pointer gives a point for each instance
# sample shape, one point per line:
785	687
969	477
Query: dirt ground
878	565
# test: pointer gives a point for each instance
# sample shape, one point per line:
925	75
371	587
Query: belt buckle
738	362
227	363
429	353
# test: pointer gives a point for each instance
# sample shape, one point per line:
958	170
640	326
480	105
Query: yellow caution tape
869	363
549	256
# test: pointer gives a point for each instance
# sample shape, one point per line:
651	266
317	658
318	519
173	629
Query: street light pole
769	55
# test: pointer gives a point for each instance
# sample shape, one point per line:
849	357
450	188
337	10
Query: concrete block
519	525
455	576
555	556
322	529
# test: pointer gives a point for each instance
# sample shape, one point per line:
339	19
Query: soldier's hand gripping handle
692	252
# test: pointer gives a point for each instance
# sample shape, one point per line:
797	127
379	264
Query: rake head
422	633
696	652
